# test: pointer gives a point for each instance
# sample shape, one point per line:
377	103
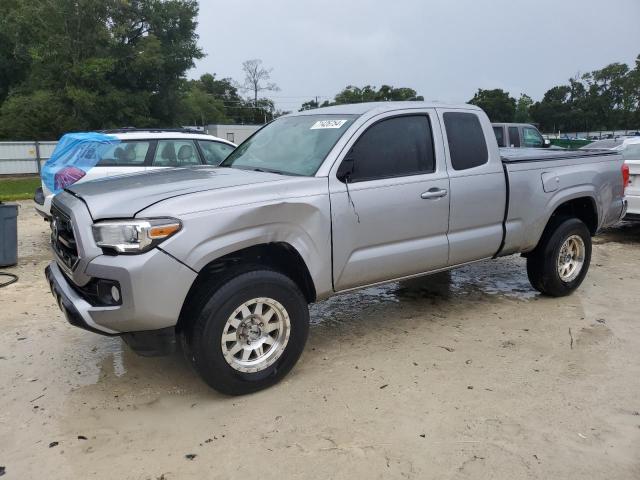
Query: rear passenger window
467	145
395	147
514	137
499	133
214	152
124	154
175	153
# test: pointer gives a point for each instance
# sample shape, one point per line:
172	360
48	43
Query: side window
124	154
396	147
467	145
499	133
514	137
214	152
532	138
175	153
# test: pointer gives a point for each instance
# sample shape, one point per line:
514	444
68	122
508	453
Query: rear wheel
561	260
250	332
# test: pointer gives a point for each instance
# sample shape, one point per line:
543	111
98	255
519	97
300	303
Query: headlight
134	236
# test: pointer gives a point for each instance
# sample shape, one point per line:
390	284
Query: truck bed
514	155
538	181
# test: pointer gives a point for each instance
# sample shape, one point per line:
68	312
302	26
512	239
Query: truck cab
519	135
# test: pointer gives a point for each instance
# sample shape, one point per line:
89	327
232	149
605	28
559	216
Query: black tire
542	268
203	338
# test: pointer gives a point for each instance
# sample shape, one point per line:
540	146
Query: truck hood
124	196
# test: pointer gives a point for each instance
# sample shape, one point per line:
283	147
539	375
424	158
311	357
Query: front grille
63	240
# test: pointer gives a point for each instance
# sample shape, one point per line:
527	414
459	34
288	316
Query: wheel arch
583	208
279	256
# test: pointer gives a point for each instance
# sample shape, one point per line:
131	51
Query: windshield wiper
266	170
263	170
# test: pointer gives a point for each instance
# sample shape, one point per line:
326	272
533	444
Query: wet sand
470	374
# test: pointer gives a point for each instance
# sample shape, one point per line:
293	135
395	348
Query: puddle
109	362
506	277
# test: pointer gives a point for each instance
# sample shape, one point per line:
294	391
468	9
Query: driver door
390	214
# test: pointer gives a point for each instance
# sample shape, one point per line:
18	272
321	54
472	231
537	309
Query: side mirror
345	170
547	143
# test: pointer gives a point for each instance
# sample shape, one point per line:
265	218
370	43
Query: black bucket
8	234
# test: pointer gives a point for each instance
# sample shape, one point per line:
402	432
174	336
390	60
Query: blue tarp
74	156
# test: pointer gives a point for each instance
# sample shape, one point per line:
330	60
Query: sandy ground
471	375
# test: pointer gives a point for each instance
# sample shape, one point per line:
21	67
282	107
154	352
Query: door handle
434	193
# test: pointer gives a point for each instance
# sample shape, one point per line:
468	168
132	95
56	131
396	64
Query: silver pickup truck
225	261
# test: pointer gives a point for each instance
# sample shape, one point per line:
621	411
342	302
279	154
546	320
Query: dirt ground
468	375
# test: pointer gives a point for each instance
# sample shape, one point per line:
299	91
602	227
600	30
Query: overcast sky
445	49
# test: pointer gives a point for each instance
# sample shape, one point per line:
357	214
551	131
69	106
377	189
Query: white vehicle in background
630	150
141	150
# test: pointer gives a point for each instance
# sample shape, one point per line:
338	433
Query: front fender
302	223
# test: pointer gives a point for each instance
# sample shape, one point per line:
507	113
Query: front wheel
250	332
561	260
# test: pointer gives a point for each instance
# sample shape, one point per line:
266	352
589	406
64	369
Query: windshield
290	145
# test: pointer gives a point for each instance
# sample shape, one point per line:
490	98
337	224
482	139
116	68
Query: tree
497	104
603	99
101	63
198	107
310	105
38	111
633	87
14	58
368	93
255	77
553	111
522	109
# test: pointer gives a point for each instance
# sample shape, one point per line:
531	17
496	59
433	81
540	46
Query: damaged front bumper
78	312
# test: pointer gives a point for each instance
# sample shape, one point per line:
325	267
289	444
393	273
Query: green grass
18	188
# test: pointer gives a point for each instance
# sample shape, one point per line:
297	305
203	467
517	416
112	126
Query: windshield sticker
320	124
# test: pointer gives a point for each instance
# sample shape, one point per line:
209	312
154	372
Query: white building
233	133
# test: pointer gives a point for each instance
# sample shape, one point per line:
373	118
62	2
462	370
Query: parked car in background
630	150
629	147
315	203
141	150
518	135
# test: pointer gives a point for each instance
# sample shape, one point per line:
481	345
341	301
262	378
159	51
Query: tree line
604	99
368	93
71	65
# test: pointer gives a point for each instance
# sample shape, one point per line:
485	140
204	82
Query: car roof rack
151	130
